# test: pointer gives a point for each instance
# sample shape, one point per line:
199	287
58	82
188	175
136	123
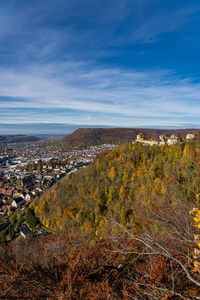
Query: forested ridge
84	137
123	228
19	138
120	182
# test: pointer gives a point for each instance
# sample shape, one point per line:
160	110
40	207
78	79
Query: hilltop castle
173	139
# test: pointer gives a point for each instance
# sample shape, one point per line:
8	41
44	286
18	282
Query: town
26	170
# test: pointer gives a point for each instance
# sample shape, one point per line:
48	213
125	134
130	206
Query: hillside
120	181
134	201
18	138
84	137
122	229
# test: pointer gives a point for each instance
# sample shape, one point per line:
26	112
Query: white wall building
190	136
172	140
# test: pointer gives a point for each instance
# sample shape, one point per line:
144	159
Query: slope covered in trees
119	266
123	230
84	137
121	184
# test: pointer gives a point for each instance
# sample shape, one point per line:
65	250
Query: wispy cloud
164	21
43	29
112	92
76	61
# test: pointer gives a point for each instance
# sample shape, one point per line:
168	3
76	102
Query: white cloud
79	86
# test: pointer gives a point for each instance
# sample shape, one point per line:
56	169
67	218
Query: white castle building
147	142
173	139
190	136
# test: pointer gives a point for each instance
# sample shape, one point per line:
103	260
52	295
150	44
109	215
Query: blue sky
133	63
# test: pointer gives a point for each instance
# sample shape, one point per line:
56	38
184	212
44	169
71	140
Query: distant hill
83	137
18	138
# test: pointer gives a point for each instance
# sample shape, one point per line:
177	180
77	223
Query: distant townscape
26	170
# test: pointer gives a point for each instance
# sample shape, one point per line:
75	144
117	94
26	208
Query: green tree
141	135
31	219
1	184
11	231
2	237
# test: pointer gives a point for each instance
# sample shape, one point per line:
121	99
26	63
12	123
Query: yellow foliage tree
196	255
122	192
112	173
156	186
120	158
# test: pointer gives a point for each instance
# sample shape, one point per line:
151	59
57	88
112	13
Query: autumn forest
126	227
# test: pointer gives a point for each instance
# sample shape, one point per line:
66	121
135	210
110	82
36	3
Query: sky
120	63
